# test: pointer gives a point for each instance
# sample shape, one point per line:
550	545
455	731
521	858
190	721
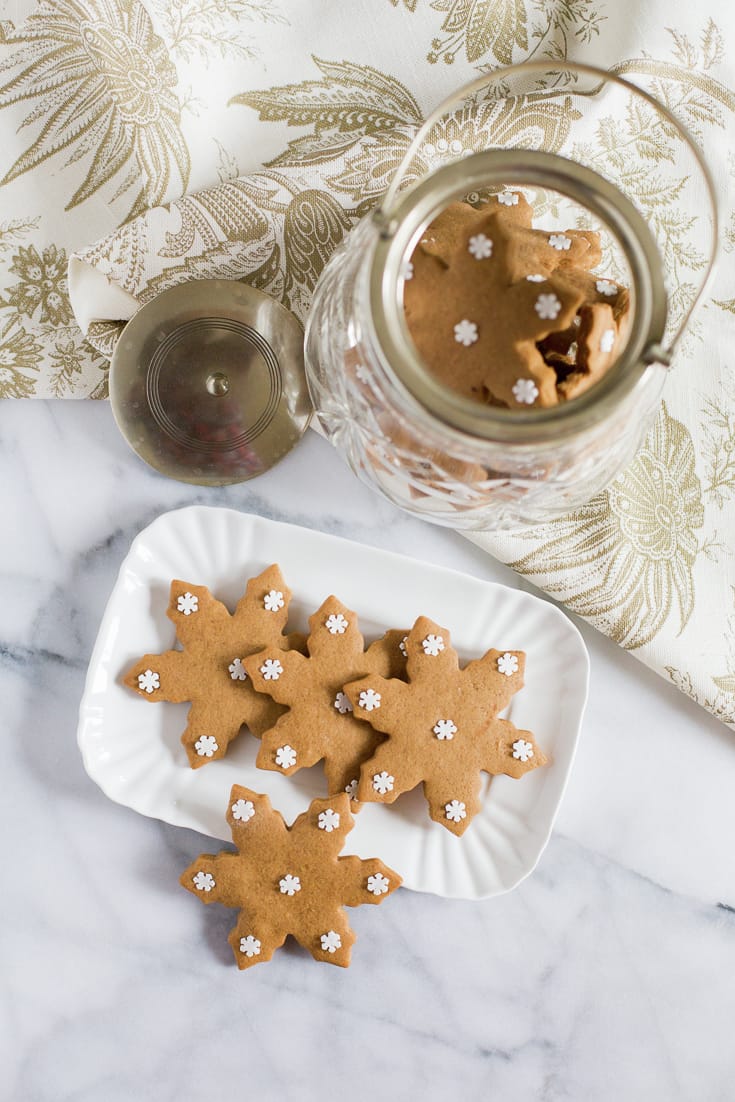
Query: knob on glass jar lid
489	347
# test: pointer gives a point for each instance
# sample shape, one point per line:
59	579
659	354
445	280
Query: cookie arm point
214	879
365	881
387	774
454	804
286	747
158	677
279	673
377	700
512	751
253	942
328	937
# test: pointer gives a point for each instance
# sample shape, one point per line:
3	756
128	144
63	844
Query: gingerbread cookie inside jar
488	347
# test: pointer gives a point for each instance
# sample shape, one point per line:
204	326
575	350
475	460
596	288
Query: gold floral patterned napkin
280	123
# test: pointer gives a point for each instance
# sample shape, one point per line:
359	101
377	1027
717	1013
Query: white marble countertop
607	975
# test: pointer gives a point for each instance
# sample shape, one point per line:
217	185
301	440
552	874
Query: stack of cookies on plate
381	718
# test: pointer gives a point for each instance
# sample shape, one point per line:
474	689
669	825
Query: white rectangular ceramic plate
131	748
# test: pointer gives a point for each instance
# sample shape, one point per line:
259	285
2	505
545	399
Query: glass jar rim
417	207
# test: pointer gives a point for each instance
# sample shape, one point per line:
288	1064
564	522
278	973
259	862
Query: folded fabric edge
87	285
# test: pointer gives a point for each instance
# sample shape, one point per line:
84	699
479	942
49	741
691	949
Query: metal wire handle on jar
384	215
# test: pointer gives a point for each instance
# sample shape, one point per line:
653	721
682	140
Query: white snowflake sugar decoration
465	332
342	703
508	198
560	242
289	885
383	782
445	729
402	646
149	681
331	942
285	756
351	789
250	946
525	391
607	340
433	645
547	307
271	669
273	601
369	700
536	277
606	287
378	884
336	624
187	604
328	820
455	811
203	881
206	746
508	664
407	270
522	750
480	246
237	670
243	810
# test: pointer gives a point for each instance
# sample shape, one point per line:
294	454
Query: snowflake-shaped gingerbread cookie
479	318
209	672
424	745
289	880
319	724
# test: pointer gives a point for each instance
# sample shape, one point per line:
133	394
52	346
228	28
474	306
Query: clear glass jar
446	457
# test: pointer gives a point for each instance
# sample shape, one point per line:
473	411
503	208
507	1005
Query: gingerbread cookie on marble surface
486	291
442	727
319	724
289	880
209	672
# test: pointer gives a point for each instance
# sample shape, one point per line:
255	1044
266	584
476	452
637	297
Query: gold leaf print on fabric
481	26
20	356
66	361
640	152
720	703
100	80
497	26
718	444
369	167
313	227
350	102
503	31
625	560
40	344
227	232
205	28
687	87
226	213
42	287
14	231
103	336
364	121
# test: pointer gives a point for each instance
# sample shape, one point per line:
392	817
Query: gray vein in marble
605	976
